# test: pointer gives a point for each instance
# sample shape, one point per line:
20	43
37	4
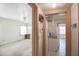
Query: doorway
56	35
67	13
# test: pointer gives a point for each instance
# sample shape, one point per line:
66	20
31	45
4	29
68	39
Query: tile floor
62	47
61	51
24	48
20	48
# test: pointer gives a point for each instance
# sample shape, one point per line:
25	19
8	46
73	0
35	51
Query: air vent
49	20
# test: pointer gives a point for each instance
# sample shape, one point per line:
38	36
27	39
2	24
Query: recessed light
53	5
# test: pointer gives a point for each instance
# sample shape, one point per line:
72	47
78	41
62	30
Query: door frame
78	29
43	35
34	29
67	12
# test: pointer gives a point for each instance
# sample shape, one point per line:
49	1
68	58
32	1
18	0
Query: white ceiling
59	18
48	6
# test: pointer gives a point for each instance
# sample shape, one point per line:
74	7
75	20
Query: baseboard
10	42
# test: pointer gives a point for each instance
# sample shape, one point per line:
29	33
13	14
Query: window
29	30
62	29
23	30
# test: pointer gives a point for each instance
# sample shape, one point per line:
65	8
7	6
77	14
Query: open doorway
56	35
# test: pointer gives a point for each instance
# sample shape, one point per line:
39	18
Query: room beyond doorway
56	35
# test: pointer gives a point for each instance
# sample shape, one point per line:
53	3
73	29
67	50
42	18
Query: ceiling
59	18
48	6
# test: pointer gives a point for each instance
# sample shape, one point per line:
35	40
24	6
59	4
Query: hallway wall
40	32
46	37
74	20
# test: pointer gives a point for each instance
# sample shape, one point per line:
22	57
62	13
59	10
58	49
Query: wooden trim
68	32
44	37
34	29
78	29
67	12
43	34
55	11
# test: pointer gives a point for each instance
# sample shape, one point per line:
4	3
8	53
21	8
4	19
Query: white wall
46	37
9	30
11	18
25	11
9	11
74	20
16	11
40	32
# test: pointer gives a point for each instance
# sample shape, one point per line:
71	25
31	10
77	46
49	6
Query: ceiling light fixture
54	5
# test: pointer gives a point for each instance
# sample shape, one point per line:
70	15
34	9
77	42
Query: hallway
60	51
38	27
62	47
19	48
